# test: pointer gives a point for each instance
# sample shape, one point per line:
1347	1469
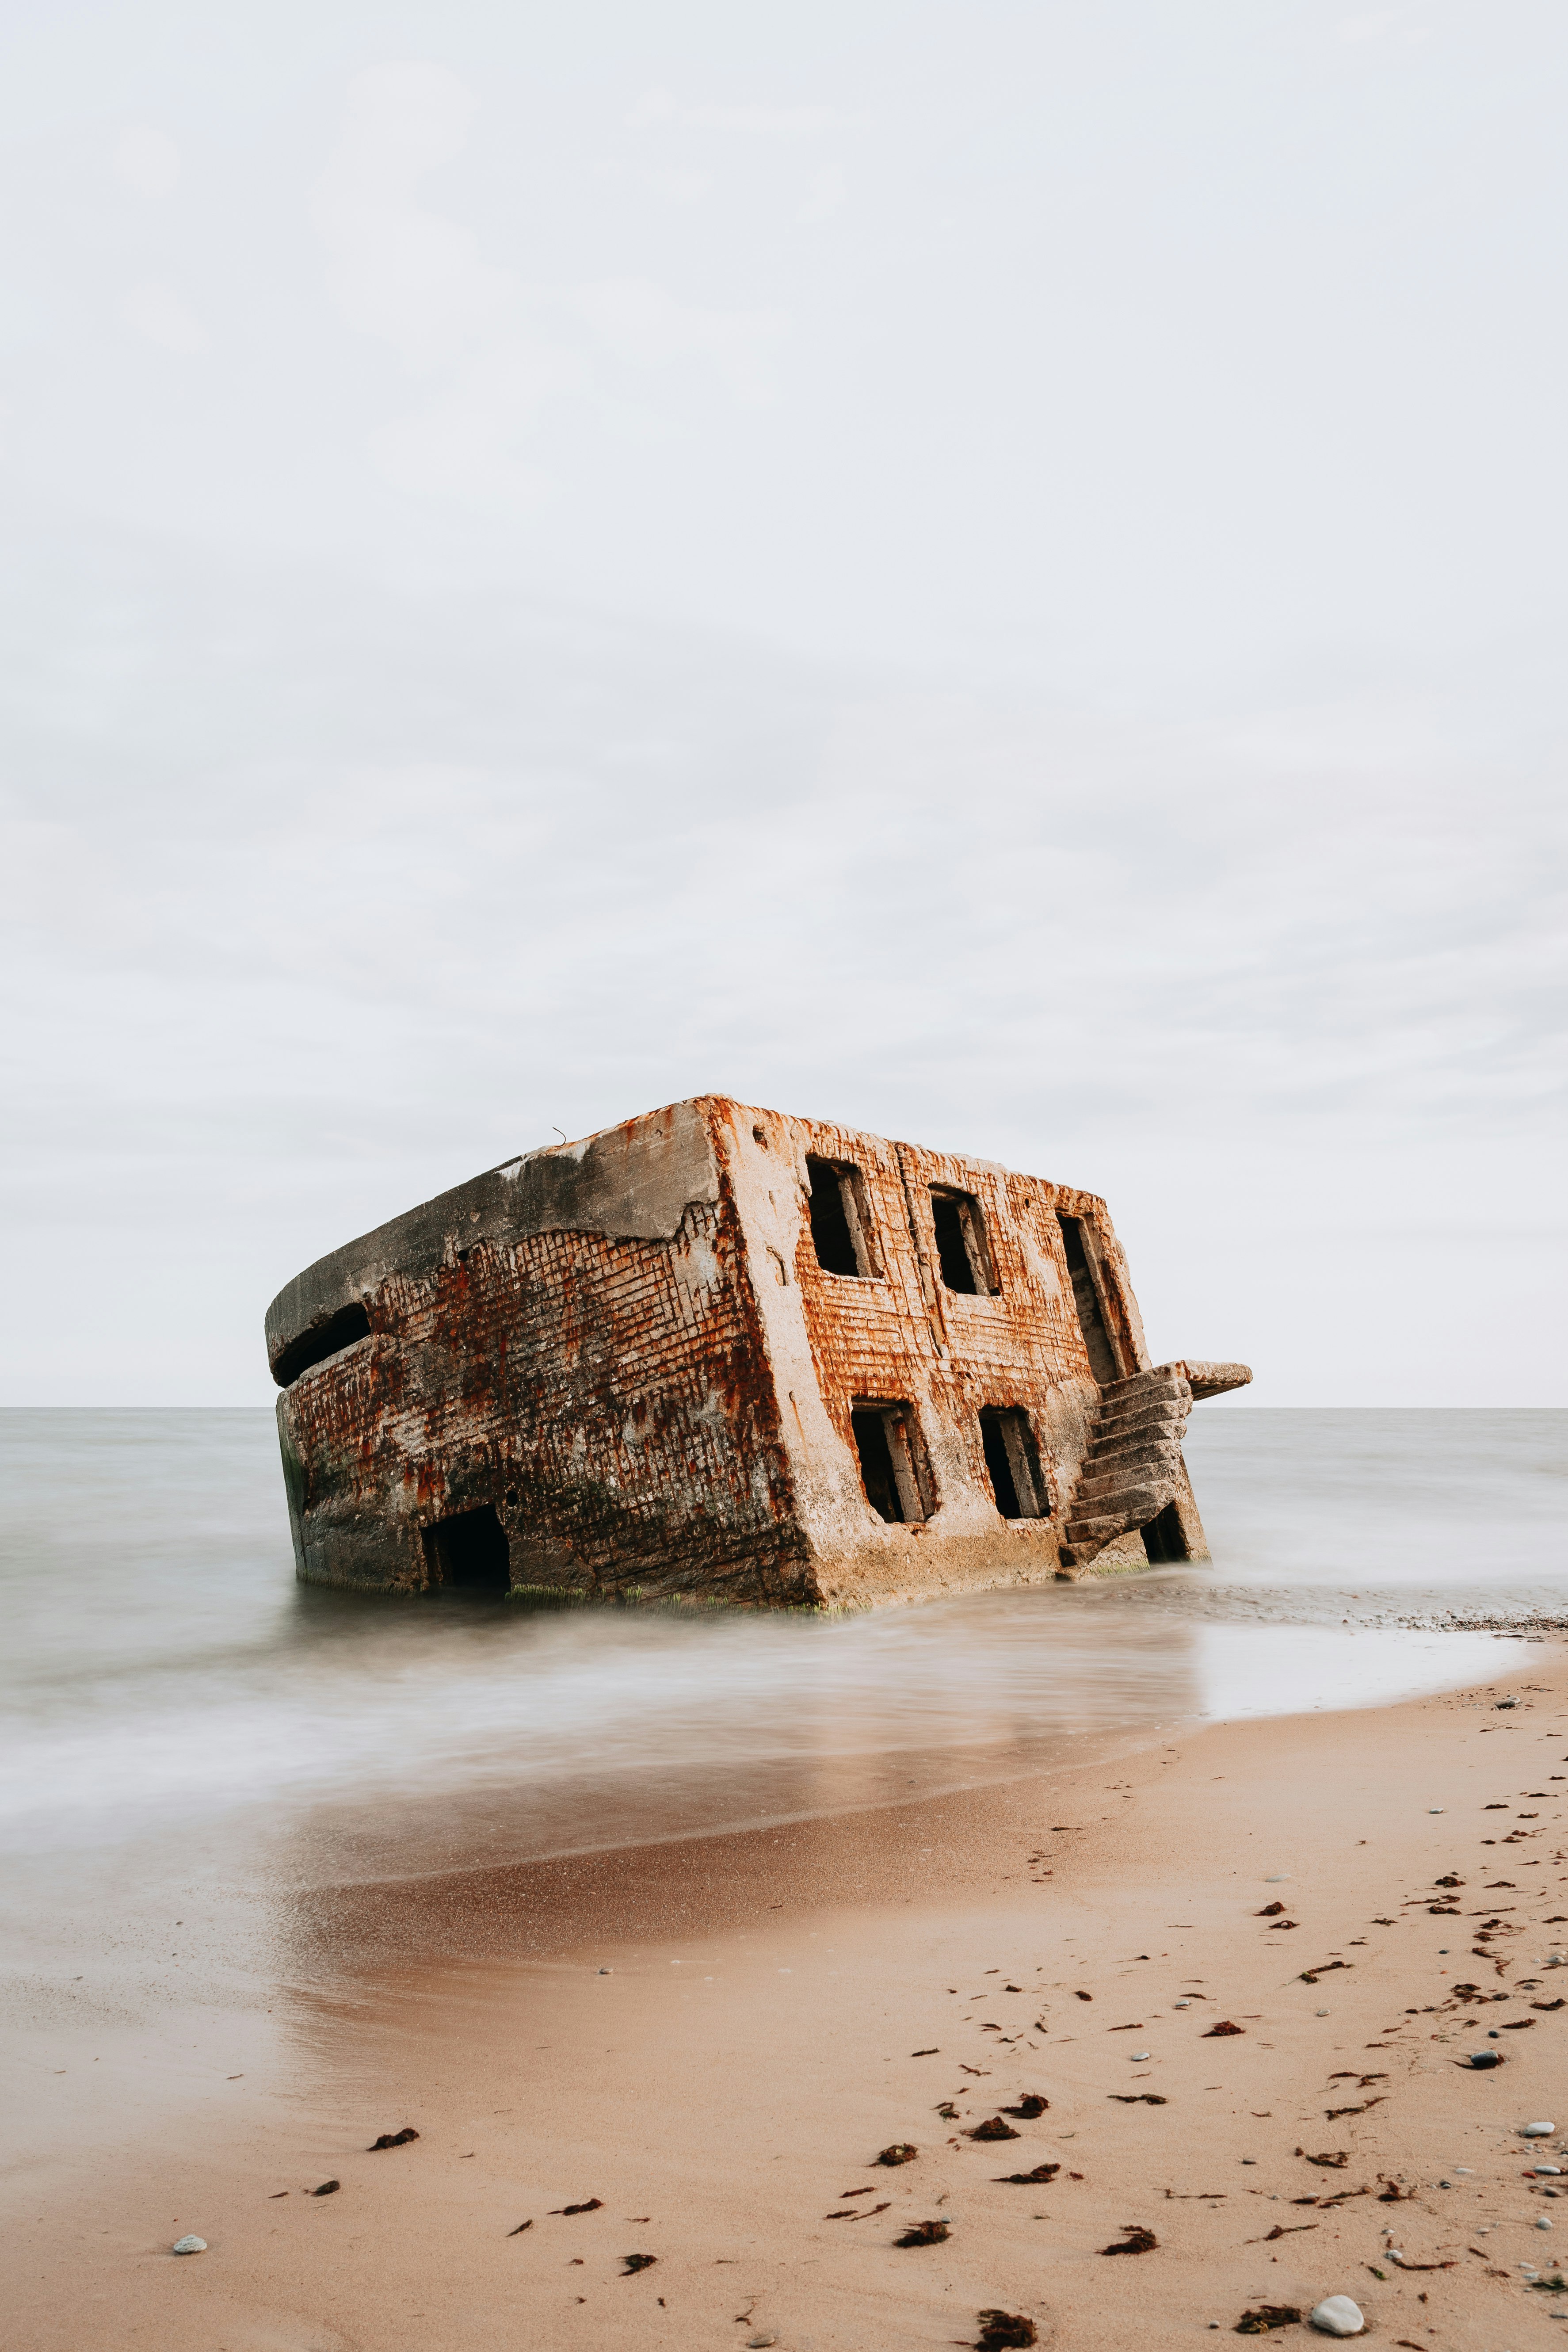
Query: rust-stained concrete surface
723	1353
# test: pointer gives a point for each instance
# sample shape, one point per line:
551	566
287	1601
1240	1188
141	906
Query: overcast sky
990	572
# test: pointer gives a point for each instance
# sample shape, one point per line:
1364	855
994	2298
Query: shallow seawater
186	1729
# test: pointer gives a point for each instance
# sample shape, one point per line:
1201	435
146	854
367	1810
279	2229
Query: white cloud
680	187
772	121
1408	24
501	347
643	326
824	194
401	272
147	160
660	105
160	316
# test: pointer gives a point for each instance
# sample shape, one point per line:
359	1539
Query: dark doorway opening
469	1549
1011	1459
837	1232
324	1339
1102	1361
888	1470
961	1247
1162	1538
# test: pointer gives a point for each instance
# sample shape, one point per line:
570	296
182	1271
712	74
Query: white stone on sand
1537	2131
189	2245
1338	2315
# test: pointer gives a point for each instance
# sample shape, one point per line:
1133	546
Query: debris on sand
1042	2172
1323	1968
591	2205
992	2128
1269	1911
1333	2162
1000	2331
394	2139
1031	2104
327	2189
634	2263
1223	2027
902	2151
1137	2241
1268	2316
520	2229
924	2233
1138	2098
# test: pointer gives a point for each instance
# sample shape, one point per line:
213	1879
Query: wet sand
780	2006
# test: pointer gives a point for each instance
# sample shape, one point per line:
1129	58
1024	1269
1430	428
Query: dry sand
779	2007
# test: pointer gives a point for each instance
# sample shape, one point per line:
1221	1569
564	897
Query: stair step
1107	1494
1148	1381
1152	1432
1172	1409
1134	1510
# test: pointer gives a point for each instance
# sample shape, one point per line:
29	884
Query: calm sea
187	1732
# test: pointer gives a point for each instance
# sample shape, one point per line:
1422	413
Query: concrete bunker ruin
718	1352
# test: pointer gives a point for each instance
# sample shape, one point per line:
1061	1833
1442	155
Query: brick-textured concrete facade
621	1366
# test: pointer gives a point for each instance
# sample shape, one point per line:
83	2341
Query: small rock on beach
190	2246
1338	2315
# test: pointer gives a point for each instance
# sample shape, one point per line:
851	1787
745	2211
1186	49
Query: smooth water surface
190	1741
165	1667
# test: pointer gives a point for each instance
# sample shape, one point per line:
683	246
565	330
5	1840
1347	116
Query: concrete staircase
1134	1465
1133	1468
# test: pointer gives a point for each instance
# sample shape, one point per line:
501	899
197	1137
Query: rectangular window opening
838	1223
961	1247
890	1467
1102	1361
469	1549
1014	1464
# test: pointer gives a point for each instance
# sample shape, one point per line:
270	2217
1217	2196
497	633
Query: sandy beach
705	2047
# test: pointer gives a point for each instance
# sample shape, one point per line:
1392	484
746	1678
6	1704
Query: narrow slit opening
1162	1538
1102	1361
832	1231
324	1339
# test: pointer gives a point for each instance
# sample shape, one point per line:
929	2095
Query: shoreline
719	2034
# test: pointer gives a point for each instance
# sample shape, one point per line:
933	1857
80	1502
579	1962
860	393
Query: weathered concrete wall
900	1335
627	1349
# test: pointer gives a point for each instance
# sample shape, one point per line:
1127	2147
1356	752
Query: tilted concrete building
717	1351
